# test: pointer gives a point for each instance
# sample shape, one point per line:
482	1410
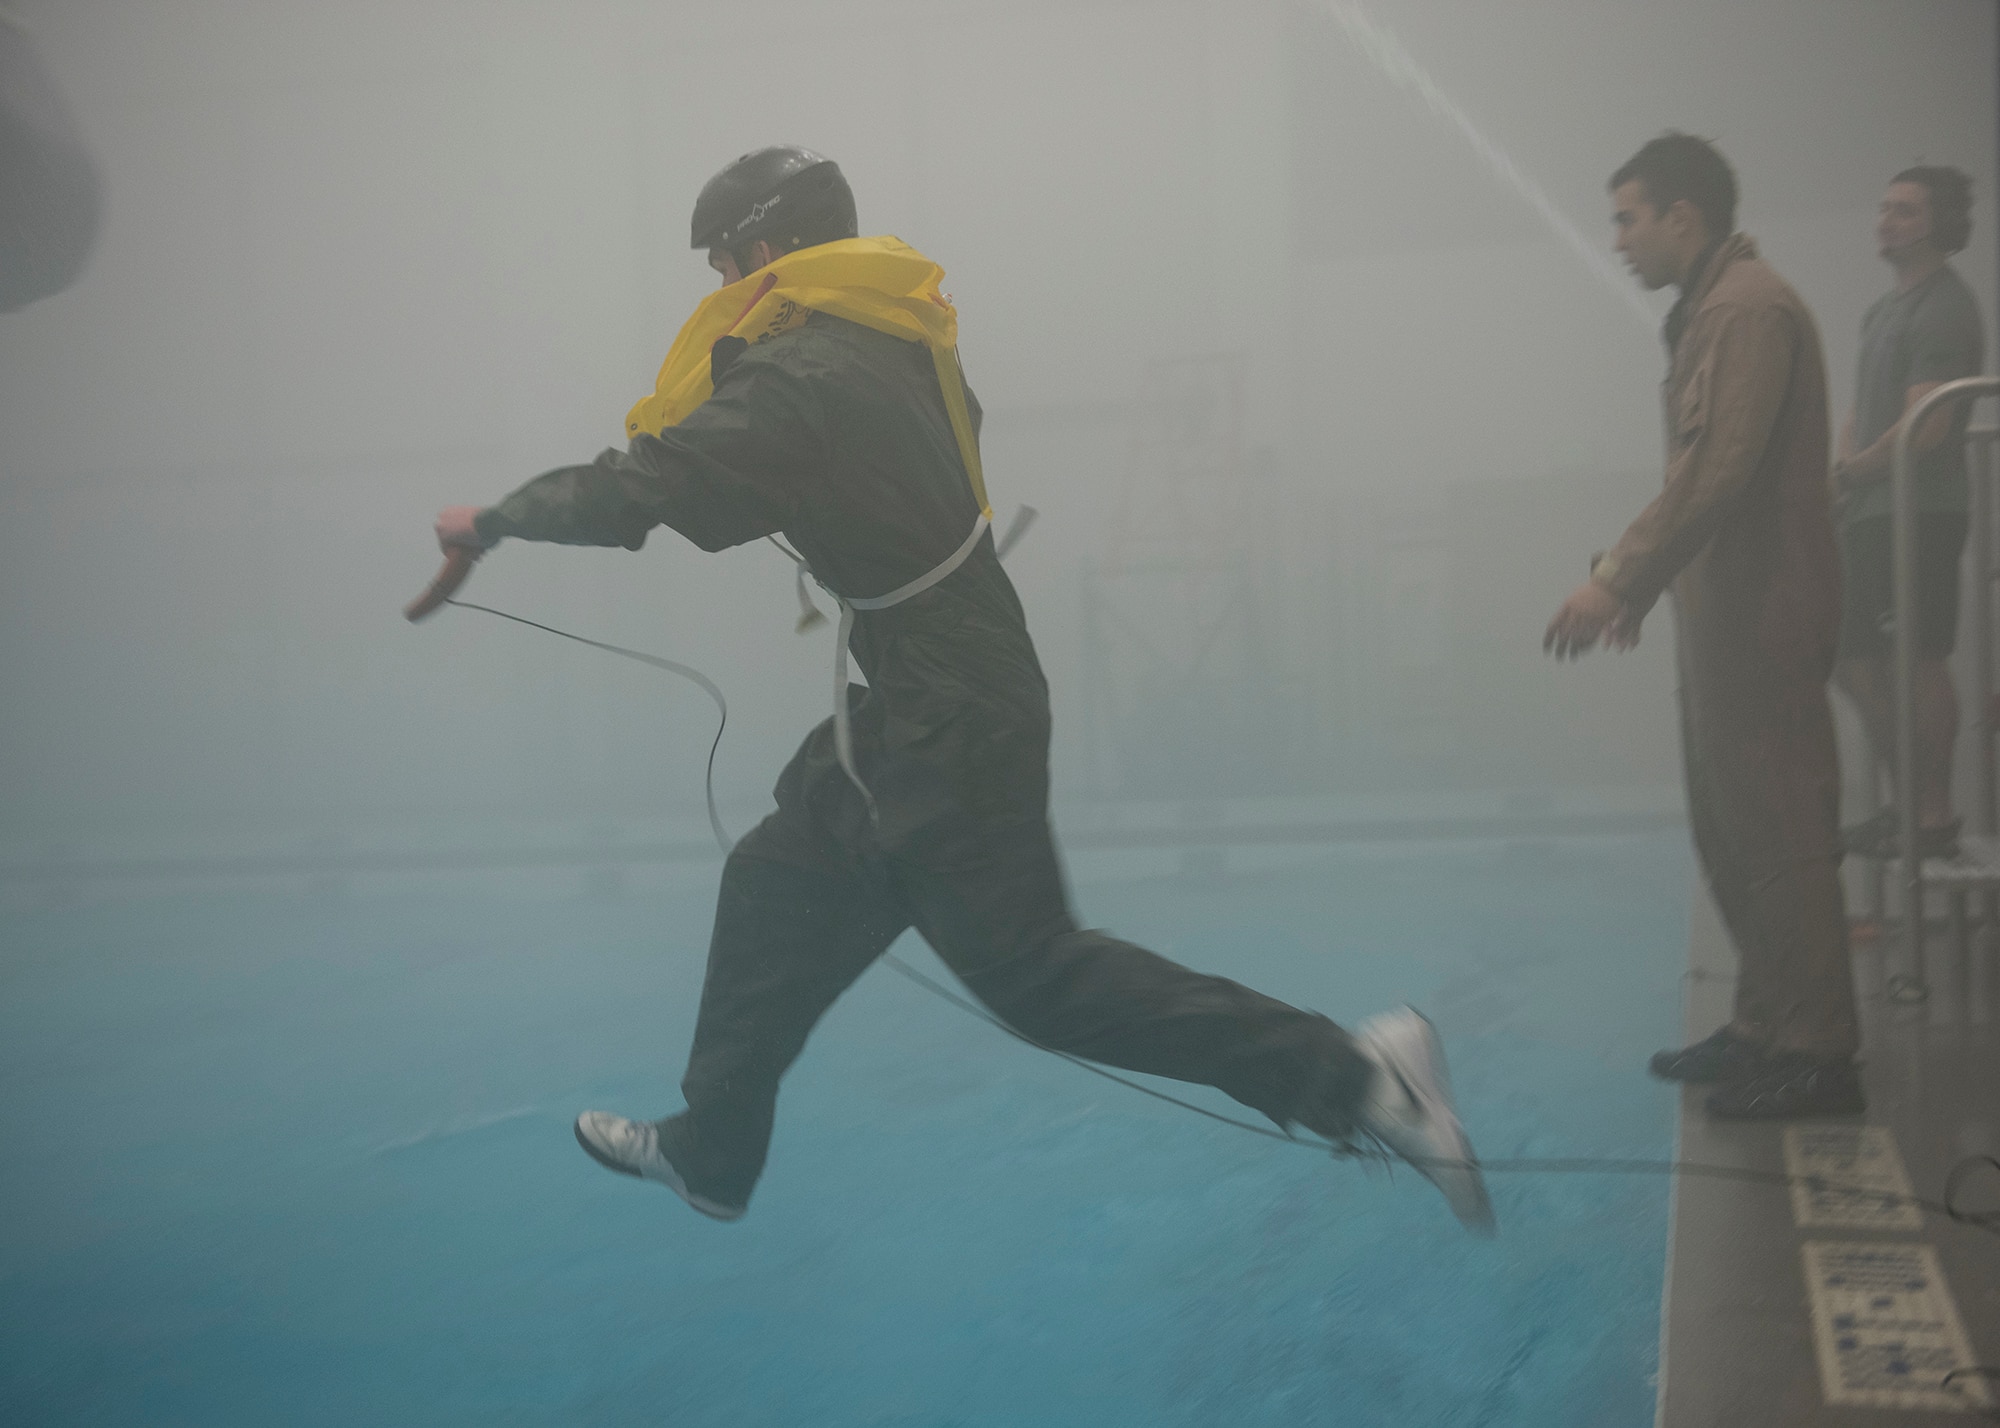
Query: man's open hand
1590	613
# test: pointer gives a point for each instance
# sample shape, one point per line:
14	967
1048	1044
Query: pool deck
1738	1344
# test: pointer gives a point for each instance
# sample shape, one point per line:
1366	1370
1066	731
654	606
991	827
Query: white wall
365	259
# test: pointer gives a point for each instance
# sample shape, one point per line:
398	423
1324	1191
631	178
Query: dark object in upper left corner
51	196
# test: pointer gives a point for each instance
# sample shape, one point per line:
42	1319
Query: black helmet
788	196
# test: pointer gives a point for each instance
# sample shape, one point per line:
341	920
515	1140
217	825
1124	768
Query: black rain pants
801	915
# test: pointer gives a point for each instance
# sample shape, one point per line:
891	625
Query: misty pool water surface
275	1159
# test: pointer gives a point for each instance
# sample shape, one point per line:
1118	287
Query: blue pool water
283	1160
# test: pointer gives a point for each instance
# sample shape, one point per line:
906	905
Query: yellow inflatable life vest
881	283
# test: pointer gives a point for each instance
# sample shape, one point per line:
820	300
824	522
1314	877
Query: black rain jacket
837	436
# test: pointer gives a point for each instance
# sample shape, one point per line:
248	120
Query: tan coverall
1743	532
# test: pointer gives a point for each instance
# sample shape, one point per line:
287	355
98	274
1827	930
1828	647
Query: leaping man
818	395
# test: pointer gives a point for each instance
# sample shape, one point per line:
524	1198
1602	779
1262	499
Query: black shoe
1873	837
1721	1057
1941	842
1799	1087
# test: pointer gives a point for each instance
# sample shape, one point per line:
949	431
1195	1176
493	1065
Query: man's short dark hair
1950	191
1676	166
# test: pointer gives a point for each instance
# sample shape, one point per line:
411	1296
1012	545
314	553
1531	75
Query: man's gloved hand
459	539
455	529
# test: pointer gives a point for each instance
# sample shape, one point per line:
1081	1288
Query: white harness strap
843	733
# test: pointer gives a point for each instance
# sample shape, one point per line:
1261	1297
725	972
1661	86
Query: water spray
1381	47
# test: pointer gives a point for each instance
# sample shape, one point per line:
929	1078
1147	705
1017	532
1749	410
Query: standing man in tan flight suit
1743	533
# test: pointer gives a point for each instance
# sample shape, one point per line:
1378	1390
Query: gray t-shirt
1931	333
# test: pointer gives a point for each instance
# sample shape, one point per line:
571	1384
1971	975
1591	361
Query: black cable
683	670
1978	1371
1986	1220
938	989
1989	1221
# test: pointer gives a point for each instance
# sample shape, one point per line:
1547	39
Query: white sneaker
1408	1107
633	1148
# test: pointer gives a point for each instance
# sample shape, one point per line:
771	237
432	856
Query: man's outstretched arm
732	472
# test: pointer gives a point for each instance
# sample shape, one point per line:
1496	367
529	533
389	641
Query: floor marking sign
1886	1330
1825	1161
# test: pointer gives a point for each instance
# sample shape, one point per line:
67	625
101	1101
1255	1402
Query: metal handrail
1982	439
1985	441
1902	516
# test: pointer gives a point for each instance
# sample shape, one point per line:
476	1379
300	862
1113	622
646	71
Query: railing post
1984	469
1979	447
1902	504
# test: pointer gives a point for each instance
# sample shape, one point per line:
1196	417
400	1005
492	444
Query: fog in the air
1296	322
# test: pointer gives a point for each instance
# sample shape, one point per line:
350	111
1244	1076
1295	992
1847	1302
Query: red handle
458	563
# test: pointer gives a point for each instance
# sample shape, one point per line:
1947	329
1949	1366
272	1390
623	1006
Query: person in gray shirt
1923	333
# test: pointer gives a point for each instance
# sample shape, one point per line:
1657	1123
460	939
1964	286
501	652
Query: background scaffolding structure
1176	647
